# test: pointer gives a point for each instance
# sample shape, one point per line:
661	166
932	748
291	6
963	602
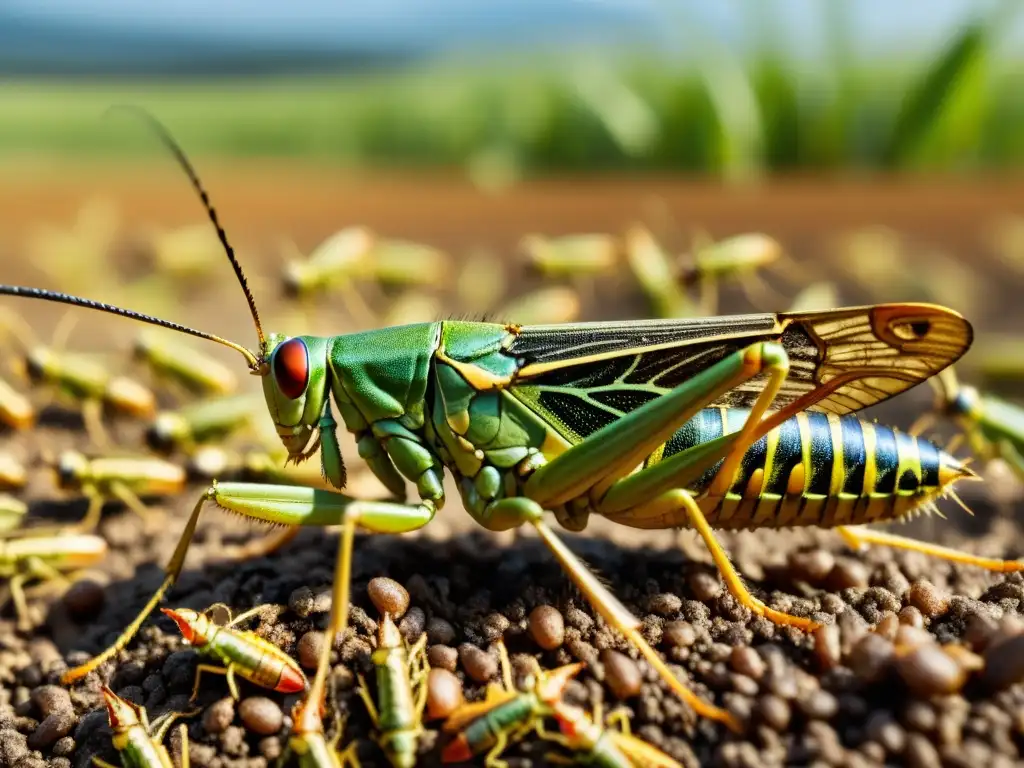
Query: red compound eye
291	368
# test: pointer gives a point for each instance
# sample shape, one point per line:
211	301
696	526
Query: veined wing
583	376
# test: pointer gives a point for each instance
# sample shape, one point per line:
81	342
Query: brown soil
804	703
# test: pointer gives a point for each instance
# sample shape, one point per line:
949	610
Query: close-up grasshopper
725	422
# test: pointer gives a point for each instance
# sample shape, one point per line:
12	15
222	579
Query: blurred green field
958	108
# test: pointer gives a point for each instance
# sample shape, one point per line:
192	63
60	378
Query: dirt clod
219	715
928	599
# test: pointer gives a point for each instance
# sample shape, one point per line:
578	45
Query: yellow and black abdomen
819	469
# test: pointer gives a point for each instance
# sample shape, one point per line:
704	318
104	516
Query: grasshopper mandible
653	424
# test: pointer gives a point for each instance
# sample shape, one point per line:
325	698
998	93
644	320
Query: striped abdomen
255	659
481	734
817	469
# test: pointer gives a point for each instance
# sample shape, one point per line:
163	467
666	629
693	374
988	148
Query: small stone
981	628
621	673
53	727
479	665
747	661
443	657
827	647
928	671
680	634
812	567
847	574
311	645
84	599
547	627
883	729
870	657
1004	663
928	599
270	748
911	617
774	711
219	715
48	699
444	693
388	596
440	631
12	746
413	624
705	586
887	626
819	705
920	753
912	637
64	746
261	715
665	604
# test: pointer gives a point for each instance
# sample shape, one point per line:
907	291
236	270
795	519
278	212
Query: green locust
201	422
505	716
139	743
651	424
172	360
241	653
594	744
44	558
994	428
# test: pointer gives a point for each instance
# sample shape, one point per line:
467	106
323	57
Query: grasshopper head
121	714
295	385
194	626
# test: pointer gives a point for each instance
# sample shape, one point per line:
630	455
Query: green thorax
140	751
482	733
394	690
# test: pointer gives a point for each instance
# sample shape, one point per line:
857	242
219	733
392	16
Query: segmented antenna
186	165
77	301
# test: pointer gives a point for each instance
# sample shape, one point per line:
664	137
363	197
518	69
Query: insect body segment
170	358
16	410
401	674
815	469
202	422
137	741
240	652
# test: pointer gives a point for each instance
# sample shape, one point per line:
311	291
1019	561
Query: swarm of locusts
689	420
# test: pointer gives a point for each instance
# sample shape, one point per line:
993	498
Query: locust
605	747
127	479
80	379
44	558
994	428
140	743
401	673
505	716
240	652
724	422
181	364
571	255
201	422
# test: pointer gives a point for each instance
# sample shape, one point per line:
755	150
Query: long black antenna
76	301
186	165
